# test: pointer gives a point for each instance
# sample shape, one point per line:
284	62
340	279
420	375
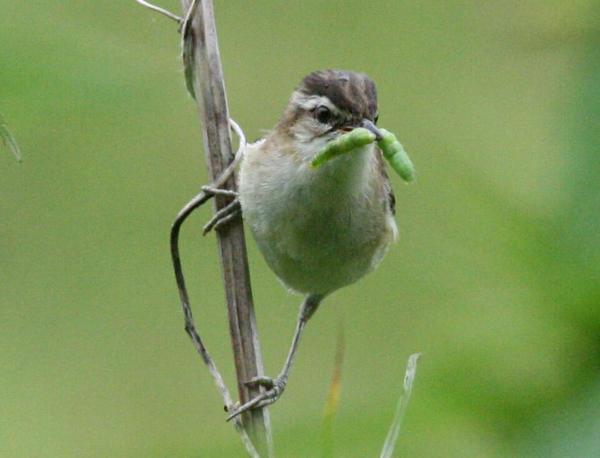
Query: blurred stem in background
333	397
9	140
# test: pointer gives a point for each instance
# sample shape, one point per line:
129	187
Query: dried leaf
187	44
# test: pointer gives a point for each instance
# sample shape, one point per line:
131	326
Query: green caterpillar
396	156
343	144
390	146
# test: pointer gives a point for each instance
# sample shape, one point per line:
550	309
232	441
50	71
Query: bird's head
327	104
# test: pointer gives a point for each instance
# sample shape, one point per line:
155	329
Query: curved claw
266	402
218	191
261	380
277	386
249	405
224	216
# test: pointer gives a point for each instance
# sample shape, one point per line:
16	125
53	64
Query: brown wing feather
387	186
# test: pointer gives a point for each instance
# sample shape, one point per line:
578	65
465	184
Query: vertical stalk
205	74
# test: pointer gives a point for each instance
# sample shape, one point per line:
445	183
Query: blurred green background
496	277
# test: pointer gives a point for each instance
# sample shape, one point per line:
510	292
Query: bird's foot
274	389
213	191
225	215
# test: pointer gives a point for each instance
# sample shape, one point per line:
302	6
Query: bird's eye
376	119
323	114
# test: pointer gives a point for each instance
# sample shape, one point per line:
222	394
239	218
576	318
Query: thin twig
190	327
394	432
160	10
239	154
184	297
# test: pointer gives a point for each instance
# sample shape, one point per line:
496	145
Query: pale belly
317	230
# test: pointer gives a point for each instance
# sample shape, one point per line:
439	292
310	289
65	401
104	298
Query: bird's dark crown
352	92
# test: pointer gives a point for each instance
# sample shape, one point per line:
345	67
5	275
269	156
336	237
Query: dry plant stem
204	74
200	199
202	67
189	14
190	327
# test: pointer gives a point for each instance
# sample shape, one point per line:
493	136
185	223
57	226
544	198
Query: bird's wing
388	190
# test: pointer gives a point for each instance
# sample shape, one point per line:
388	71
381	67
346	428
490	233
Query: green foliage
494	278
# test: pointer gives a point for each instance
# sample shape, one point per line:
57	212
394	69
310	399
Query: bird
318	229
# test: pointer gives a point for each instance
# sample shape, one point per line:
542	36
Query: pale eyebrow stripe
313	101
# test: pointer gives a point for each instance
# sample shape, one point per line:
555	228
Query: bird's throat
346	174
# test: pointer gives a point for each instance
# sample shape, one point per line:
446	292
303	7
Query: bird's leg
275	386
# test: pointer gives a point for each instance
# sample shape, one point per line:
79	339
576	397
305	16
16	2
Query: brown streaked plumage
352	93
349	91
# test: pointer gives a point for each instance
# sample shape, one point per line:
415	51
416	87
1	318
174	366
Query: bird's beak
367	124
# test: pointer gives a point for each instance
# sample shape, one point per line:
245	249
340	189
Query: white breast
317	229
